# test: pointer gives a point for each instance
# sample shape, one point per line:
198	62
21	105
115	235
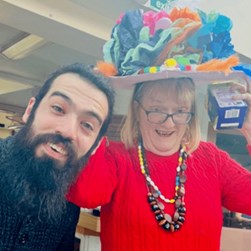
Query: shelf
89	221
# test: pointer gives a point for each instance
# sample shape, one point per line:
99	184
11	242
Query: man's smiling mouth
58	148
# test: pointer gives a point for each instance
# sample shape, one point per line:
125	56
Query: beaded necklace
154	194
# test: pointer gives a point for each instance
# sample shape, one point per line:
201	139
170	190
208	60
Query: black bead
183	167
181	209
166	226
159	217
151	198
155	207
185	155
181	219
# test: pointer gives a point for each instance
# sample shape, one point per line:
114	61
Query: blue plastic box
223	111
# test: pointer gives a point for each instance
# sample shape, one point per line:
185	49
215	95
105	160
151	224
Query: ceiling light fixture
11	85
22	46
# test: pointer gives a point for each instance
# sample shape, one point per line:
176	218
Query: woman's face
162	139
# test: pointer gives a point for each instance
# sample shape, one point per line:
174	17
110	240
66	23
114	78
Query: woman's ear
28	109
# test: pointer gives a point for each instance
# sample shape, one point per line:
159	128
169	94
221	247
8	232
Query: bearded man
63	125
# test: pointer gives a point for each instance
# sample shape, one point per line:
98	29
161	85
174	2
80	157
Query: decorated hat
146	46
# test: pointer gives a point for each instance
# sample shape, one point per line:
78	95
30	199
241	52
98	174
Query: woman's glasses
178	118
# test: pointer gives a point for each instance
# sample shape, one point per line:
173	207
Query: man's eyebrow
67	99
57	93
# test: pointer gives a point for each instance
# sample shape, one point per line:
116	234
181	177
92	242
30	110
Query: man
64	124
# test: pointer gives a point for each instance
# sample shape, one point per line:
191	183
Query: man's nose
68	129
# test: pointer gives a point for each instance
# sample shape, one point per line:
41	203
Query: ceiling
75	31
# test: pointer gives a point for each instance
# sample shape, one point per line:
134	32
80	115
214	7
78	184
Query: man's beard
39	184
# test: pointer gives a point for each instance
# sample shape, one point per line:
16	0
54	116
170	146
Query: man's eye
87	126
57	109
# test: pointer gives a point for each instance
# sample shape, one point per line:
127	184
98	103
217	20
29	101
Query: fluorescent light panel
8	86
23	47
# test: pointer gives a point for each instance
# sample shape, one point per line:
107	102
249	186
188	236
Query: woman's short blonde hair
185	90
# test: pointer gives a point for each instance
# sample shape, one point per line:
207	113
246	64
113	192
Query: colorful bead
172	201
170	63
152	69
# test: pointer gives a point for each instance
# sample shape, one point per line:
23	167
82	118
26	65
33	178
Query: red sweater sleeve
96	182
235	183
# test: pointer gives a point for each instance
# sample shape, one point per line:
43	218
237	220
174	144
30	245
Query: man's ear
28	109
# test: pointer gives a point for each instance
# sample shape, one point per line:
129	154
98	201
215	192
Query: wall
4	131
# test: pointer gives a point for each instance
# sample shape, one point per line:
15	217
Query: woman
162	188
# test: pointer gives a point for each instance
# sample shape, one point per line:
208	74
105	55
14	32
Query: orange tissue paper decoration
184	13
219	65
107	69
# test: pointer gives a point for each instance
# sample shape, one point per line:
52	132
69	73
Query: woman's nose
169	121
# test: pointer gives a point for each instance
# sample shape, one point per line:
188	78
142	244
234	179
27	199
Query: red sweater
127	222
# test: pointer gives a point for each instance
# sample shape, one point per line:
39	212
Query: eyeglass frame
167	115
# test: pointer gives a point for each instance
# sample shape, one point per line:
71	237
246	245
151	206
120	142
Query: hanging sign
161	4
167	5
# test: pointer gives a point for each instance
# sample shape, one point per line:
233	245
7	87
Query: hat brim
199	77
